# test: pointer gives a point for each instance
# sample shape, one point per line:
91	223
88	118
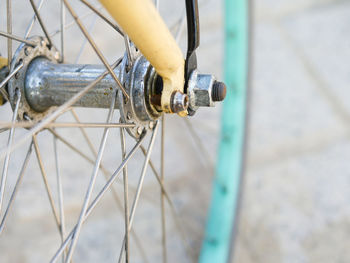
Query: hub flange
140	85
25	54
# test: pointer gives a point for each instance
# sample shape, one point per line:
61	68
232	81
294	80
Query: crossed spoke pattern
69	237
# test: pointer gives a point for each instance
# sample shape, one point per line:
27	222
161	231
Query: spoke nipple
140	130
27	50
218	92
179	102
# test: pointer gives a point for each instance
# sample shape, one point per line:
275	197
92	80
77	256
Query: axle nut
179	102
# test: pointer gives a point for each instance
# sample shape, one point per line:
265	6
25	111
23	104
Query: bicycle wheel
79	176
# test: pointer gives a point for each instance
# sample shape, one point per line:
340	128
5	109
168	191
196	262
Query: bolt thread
218	92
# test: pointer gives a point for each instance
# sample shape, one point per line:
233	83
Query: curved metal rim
218	243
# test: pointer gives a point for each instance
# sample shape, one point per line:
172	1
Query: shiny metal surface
179	102
24	55
199	90
45	84
139	83
49	84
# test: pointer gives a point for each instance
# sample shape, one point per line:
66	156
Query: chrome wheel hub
45	84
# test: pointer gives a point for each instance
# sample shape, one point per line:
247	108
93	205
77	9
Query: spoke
60	193
3	83
3	130
175	215
72	23
108	21
165	192
181	26
93	22
2	87
99	196
139	245
162	192
114	192
47	187
68	125
126	196
43	27
87	158
181	22
71	146
31	24
18	182
128	51
95	48
62	23
199	143
9	30
139	186
94	153
105	172
89	125
10	36
8	153
61	109
87	139
92	181
90	160
75	149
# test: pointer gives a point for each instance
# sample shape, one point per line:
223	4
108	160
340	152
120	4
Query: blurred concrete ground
296	196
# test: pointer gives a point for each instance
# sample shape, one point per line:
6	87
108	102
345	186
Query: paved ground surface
296	192
297	185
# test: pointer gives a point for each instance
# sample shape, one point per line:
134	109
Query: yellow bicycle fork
141	21
3	62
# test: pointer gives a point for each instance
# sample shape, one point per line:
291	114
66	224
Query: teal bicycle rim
222	214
